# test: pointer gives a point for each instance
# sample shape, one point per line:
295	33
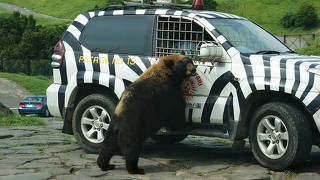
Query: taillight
58	55
21	105
197	4
38	105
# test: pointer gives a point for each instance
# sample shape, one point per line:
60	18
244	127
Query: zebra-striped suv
248	84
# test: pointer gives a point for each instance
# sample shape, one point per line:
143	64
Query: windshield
247	37
34	99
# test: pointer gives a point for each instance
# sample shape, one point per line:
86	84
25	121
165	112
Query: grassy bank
39	21
4	12
58	8
36	85
16	120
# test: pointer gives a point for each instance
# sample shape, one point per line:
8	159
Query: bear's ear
169	63
183	52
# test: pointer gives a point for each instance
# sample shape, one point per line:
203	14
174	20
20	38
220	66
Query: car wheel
46	113
280	136
91	119
168	139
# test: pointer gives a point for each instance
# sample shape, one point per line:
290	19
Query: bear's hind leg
103	161
132	157
108	149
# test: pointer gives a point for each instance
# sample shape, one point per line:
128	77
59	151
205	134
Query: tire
280	136
168	139
91	119
45	114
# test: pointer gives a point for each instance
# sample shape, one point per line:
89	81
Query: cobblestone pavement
45	153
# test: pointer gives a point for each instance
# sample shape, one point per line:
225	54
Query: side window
127	34
175	34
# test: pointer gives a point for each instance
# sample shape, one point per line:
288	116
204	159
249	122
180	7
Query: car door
208	92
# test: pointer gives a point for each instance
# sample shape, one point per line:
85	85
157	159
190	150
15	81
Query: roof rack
133	5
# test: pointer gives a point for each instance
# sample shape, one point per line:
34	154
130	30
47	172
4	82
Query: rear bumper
34	110
26	111
53	100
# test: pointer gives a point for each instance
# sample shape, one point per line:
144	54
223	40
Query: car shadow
186	154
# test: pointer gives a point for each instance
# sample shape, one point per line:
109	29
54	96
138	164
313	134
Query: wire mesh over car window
176	33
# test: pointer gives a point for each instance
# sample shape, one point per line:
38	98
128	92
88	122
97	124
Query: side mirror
211	51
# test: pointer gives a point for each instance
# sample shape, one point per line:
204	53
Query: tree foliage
22	43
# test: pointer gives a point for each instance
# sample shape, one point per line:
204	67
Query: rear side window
127	34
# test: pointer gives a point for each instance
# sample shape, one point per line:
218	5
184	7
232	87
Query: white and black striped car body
222	96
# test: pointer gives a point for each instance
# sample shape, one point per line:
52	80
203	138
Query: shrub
210	4
288	20
306	17
41	67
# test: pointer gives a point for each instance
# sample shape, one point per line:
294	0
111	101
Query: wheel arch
257	99
86	89
78	93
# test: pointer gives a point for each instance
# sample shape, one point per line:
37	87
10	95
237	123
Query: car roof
160	11
213	14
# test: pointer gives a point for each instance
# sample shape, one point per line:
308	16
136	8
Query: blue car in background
34	105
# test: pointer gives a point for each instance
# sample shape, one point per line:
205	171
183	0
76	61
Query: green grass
289	174
69	138
58	8
39	21
36	85
59	119
267	13
312	49
16	120
4	12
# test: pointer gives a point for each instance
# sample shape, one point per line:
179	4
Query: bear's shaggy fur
153	101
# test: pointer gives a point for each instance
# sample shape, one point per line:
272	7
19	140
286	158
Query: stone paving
45	153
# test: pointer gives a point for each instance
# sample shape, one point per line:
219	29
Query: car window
176	33
125	34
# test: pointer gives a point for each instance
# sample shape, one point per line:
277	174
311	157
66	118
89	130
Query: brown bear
153	101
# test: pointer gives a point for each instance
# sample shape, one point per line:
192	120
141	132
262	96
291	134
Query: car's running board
210	132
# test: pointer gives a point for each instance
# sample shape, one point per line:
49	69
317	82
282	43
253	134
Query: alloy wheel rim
94	123
272	137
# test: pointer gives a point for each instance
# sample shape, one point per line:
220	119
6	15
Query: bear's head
180	65
176	67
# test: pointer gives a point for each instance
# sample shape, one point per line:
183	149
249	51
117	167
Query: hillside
58	8
40	21
36	85
266	13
